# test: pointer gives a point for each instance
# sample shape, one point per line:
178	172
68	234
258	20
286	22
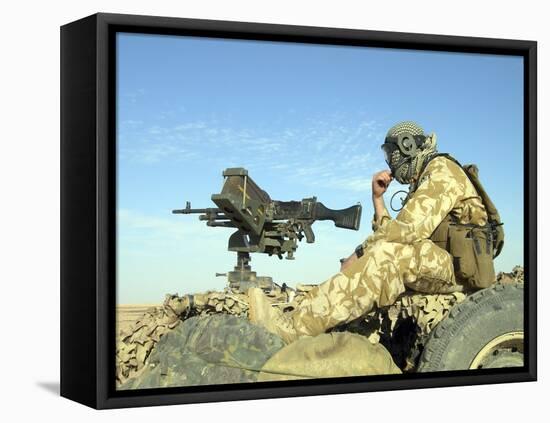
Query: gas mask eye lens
386	156
387	152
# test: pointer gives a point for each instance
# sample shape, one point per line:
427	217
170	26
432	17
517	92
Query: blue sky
304	120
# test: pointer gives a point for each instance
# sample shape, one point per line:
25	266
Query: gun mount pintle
264	225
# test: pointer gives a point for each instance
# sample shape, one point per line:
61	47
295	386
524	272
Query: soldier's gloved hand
380	182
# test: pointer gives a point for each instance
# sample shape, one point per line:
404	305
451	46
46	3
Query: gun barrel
189	210
194	211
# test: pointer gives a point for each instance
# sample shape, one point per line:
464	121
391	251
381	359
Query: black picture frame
88	238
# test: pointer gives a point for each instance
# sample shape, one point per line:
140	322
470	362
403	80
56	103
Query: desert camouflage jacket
443	188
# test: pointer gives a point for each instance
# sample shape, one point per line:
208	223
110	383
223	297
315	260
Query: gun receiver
265	225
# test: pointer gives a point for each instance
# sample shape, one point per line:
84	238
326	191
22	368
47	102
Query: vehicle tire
484	331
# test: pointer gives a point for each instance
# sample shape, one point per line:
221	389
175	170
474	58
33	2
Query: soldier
405	252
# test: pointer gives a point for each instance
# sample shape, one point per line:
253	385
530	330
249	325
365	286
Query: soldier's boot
273	319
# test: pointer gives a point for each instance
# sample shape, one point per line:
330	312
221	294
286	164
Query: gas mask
406	148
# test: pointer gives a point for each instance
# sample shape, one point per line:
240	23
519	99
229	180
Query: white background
30	208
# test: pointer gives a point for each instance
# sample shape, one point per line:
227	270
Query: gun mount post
242	277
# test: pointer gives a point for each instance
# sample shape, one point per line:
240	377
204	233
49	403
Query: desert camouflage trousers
375	279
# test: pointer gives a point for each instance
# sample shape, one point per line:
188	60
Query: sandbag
335	354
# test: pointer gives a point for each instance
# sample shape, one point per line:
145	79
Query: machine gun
264	225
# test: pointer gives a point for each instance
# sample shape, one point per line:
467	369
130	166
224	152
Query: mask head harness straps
407	143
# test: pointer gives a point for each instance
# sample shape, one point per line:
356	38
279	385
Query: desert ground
126	314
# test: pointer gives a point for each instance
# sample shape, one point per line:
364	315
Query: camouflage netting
515	276
136	343
401	327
